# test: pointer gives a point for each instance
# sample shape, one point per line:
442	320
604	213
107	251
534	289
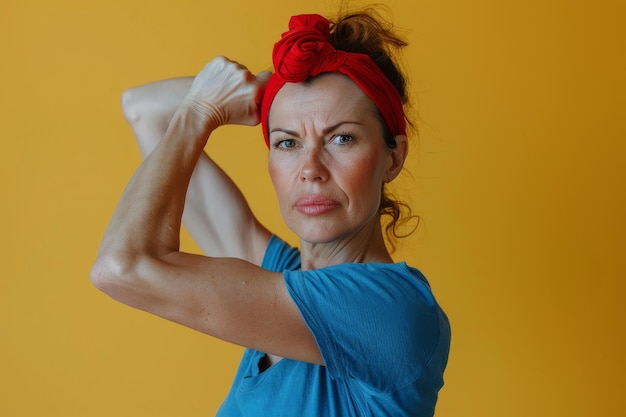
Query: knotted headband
304	51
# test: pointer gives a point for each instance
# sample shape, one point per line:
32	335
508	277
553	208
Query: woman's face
327	158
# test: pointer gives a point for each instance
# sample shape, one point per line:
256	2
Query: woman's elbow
131	105
123	277
113	274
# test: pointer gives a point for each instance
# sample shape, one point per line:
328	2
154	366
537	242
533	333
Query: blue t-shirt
383	337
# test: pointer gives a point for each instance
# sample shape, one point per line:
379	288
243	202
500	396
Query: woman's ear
397	156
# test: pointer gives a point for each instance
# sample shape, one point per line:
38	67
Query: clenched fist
227	93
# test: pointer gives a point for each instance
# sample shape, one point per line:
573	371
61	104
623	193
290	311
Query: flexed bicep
230	299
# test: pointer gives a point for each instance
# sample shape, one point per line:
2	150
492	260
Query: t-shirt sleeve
279	256
377	323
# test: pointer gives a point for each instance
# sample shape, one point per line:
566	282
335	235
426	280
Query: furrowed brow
338	125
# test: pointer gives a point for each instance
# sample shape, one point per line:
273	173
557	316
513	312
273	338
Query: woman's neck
367	245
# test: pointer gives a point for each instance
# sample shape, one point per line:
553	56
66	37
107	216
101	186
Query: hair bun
304	51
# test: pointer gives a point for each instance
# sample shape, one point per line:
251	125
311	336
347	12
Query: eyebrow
325	131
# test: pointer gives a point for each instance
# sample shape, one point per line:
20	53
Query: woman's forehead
330	93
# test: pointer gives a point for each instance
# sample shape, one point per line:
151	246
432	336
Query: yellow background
519	178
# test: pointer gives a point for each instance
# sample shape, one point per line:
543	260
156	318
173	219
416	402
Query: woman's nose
313	166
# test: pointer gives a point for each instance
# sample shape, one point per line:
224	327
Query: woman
335	328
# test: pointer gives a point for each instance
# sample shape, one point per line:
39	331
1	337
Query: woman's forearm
223	226
148	216
146	223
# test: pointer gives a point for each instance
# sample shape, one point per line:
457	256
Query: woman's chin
316	234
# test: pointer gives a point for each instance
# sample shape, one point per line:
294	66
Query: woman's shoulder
280	256
373	284
377	274
373	310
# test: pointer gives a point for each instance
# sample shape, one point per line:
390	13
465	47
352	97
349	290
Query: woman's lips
314	205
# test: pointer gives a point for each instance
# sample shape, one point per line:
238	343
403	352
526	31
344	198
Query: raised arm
216	213
139	262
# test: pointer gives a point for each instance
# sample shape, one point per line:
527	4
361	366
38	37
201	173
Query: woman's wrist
191	125
208	116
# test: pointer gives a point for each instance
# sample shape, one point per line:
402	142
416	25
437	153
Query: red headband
304	51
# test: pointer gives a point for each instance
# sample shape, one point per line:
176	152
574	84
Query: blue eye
285	144
342	139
